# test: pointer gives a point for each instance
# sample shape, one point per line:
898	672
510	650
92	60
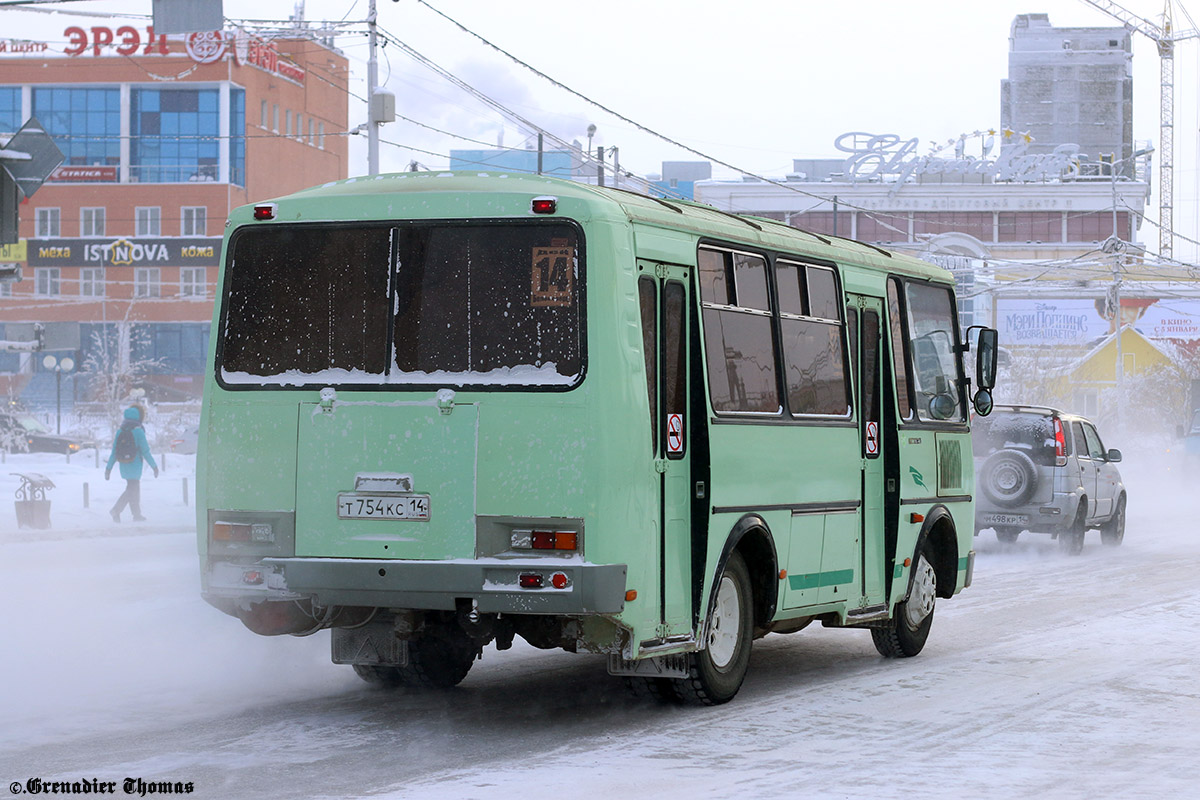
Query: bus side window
738	339
647	299
899	350
814	358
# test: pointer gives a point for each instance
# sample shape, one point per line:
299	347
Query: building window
91	221
175	135
321	135
1030	226
973	223
237	136
312	139
194	221
149	221
263	119
147	282
48	224
10	109
275	116
85	123
5	291
876	227
1098	226
91	282
192	282
288	132
46	281
299	126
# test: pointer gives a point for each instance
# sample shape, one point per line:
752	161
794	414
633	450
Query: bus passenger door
863	315
671	426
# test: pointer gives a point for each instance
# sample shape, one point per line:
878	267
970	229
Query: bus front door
863	316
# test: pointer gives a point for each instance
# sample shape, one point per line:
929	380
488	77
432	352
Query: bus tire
659	689
716	672
1112	533
383	676
440	659
904	635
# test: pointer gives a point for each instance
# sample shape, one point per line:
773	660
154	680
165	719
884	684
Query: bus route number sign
553	278
674	433
872	438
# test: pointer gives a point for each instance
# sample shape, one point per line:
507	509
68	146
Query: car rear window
1031	433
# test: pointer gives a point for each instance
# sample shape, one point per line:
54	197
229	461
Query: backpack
126	446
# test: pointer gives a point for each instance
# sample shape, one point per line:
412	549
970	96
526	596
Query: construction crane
1165	37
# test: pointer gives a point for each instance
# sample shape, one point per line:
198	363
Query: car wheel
716	672
1009	478
1112	533
905	633
1007	535
1071	539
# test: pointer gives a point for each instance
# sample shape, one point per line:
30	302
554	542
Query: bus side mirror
983	402
985	358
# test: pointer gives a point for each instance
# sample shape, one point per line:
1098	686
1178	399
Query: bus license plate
1005	519
383	506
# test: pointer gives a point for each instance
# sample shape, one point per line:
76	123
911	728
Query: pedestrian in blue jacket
130	456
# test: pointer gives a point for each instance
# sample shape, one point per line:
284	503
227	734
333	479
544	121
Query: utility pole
372	80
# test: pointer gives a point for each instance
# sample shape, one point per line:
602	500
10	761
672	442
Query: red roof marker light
264	211
545	205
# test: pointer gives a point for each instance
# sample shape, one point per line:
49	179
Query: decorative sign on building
880	157
1081	321
77	174
205	47
125	251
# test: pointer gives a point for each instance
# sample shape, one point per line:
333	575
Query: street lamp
1116	245
66	364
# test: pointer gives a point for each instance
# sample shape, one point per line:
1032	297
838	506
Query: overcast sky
754	84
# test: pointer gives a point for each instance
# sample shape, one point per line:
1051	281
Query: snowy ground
1052	676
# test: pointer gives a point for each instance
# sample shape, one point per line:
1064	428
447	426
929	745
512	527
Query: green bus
445	410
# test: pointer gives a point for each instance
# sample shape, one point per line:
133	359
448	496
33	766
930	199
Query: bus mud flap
670	666
373	644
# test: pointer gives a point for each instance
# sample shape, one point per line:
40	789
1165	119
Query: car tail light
1060	444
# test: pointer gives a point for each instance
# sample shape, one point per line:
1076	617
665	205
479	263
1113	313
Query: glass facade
175	135
85	123
10	109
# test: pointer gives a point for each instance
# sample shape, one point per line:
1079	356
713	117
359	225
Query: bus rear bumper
495	585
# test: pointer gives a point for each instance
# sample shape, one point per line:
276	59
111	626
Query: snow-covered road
1052	676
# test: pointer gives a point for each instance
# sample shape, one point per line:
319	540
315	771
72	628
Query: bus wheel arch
752	538
940	536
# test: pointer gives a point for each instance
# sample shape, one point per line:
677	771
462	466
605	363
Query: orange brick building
163	136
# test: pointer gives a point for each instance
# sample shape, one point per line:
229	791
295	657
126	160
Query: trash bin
33	508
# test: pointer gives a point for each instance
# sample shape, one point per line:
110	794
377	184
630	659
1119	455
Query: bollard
185	492
68	456
85	494
162	460
96	450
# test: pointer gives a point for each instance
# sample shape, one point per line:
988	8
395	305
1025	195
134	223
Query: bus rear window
429	304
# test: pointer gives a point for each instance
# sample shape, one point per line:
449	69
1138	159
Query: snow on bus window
441	304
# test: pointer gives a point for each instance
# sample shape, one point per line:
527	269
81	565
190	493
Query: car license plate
1005	519
383	506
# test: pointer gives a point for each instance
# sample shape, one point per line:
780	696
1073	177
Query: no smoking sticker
872	438
674	433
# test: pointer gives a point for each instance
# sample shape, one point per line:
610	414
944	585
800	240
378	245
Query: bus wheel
716	672
439	659
383	676
1112	533
905	633
1071	539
